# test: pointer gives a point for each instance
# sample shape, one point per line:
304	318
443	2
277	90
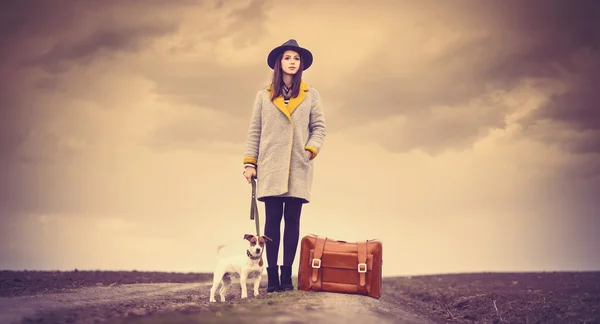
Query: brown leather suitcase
328	265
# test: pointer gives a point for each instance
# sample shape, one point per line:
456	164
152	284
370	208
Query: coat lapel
293	103
281	105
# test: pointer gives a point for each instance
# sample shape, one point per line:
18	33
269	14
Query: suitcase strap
362	262
362	252
316	263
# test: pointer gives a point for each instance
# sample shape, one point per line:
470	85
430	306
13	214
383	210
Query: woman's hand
309	154
249	172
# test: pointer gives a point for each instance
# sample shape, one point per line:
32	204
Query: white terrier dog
248	265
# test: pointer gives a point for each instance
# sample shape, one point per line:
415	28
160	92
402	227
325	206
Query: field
20	283
156	297
551	297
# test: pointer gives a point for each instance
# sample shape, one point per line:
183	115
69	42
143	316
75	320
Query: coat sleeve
316	125
254	131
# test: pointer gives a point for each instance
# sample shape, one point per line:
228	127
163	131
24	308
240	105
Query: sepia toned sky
465	135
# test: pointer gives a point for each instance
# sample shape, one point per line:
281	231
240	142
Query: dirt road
188	303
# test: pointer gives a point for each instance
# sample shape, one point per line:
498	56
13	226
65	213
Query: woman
286	133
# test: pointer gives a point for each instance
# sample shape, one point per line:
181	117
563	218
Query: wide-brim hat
305	55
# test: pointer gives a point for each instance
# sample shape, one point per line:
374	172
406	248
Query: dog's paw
212	301
244	296
256	294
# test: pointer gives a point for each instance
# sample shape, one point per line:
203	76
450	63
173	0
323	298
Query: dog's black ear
248	237
266	238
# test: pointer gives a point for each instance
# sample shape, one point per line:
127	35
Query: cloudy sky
463	134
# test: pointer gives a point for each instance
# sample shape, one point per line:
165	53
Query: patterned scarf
287	93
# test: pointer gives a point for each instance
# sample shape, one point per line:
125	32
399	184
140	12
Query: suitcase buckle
362	268
316	263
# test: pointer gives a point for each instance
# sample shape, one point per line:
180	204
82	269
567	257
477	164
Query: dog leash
254	207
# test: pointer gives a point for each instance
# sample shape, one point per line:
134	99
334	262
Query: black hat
305	55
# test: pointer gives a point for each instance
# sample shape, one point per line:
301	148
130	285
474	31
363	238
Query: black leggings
289	209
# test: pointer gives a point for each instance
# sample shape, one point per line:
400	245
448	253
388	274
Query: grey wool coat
277	140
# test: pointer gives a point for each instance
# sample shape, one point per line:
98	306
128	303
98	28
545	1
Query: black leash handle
254	207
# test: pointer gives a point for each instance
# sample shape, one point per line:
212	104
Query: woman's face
290	62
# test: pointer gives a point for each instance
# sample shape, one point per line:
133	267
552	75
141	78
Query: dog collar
251	256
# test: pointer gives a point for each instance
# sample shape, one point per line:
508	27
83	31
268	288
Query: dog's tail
220	247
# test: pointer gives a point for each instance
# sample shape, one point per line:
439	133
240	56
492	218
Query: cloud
78	52
209	85
101	42
42	127
77	92
211	77
56	35
193	127
571	118
462	60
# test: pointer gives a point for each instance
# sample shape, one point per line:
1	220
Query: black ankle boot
273	275
286	278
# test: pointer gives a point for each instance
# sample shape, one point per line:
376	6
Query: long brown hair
277	81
